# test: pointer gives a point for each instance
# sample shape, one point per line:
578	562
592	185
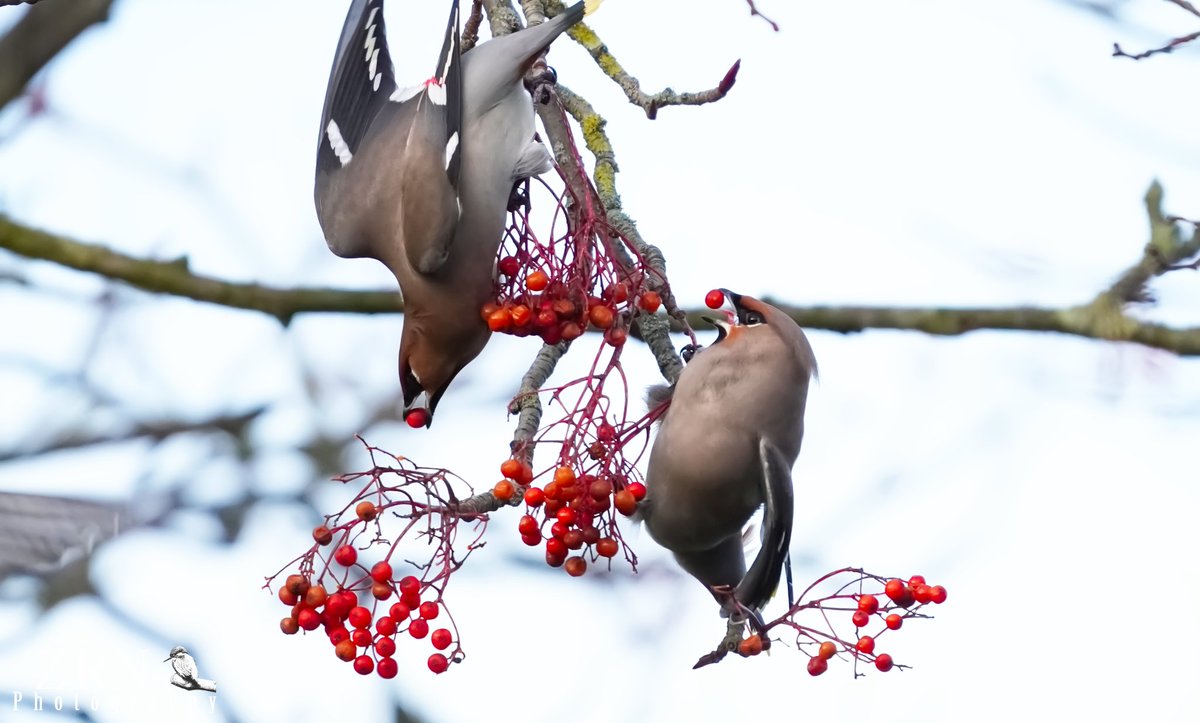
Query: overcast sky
938	152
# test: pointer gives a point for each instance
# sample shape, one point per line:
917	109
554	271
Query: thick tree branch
37	37
1101	318
174	277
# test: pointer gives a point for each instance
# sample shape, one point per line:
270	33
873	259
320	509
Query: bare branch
1169	47
649	102
1186	6
39	36
754	12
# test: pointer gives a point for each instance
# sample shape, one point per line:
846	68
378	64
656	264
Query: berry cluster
891	606
556	289
371	607
577	510
369	647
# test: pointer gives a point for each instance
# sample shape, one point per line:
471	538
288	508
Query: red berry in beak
417	418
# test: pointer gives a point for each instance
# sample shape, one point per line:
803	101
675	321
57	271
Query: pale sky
935	152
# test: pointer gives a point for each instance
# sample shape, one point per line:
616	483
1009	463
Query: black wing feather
355	95
449	71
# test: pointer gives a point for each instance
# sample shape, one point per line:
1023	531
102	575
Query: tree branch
37	37
649	102
174	277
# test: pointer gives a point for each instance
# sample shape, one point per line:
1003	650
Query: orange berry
617	293
650	302
606	547
827	650
537	281
289	626
488	309
564	476
365	510
625	502
865	644
751	646
510	468
296	584
521	315
565	308
570	331
616	337
600	316
322	535
503	490
499	320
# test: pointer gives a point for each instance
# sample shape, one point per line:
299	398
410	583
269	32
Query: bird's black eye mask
745	317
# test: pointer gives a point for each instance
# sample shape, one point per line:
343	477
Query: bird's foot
519	197
540	80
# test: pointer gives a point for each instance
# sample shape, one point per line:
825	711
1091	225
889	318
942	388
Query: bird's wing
39	534
760	581
360	84
185	665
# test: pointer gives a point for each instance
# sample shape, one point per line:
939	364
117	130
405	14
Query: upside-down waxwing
420	179
725	447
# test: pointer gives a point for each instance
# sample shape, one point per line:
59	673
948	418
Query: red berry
894	589
411	599
289	626
570	331
338	634
418	628
607	547
509	266
576	566
417	418
528	525
554	560
361	638
308	619
363	665
566	516
556	547
438	663
387	668
816	666
884	662
564	476
715	299
573	539
827	650
345	650
650	301
923	594
625	502
385	647
865	644
366	510
617	292
869	604
894	621
860	619
616	337
386	625
399	612
429	610
534	497
410	585
532	540
441	638
346	555
381	572
938	594
360	617
559	529
322	535
637	489
916	581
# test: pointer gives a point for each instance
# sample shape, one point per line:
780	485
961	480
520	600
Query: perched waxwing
725	447
420	179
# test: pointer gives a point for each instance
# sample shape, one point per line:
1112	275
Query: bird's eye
754	318
688	352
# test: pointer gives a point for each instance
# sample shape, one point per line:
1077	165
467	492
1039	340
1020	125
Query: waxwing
725	447
420	178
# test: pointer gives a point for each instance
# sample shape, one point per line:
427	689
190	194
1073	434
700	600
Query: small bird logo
185	671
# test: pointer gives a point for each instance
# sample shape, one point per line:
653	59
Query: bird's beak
723	323
419	412
166	658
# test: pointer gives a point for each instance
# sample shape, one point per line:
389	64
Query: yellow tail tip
590	6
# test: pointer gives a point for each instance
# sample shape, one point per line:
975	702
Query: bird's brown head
750	313
429	362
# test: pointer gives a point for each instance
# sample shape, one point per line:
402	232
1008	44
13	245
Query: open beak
419	412
723	323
